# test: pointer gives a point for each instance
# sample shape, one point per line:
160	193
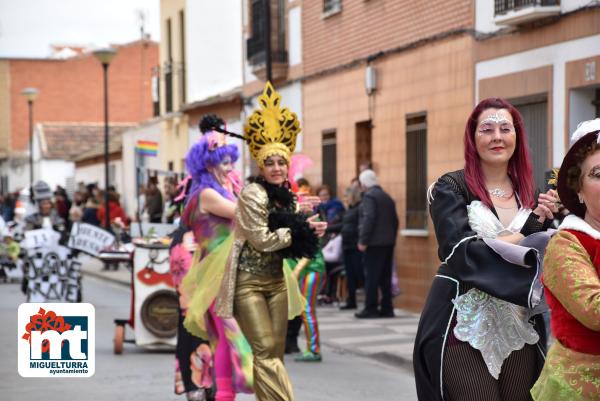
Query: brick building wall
4	110
365	27
227	110
71	90
436	79
548	73
577	25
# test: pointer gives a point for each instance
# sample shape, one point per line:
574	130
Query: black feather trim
210	122
305	243
281	195
233	134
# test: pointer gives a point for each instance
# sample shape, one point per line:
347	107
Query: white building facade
545	59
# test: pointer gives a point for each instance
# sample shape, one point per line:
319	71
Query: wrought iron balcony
516	12
332	6
504	6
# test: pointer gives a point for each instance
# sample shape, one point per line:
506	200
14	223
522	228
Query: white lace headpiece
585	127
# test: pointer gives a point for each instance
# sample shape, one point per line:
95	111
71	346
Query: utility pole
267	4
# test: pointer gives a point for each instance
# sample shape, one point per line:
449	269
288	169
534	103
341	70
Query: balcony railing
331	6
505	6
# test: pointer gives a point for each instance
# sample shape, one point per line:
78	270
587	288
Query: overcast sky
29	27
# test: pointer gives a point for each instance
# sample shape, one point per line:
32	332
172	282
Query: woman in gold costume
268	229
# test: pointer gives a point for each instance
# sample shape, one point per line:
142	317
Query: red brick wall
364	27
436	79
72	90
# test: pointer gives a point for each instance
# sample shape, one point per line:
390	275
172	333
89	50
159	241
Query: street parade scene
313	200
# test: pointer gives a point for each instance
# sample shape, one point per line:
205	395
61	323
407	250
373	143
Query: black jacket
350	228
472	265
378	220
154	206
35	221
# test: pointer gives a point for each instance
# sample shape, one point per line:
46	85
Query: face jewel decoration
497	118
490	123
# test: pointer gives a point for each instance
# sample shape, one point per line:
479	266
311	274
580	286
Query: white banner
52	274
90	239
40	238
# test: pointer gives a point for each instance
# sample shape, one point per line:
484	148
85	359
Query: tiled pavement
389	340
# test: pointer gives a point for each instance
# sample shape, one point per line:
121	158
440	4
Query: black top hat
584	136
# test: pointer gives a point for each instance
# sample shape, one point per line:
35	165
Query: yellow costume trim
271	130
201	284
296	301
554	177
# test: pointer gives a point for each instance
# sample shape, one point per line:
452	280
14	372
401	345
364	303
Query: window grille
329	157
416	172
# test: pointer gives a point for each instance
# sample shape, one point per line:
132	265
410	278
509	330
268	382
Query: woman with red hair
479	337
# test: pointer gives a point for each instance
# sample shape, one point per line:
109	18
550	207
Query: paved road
142	375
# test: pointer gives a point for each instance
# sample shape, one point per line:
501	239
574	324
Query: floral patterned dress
572	285
190	349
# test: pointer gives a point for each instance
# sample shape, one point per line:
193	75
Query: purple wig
204	154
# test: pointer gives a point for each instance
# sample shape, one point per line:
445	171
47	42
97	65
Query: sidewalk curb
394	360
384	357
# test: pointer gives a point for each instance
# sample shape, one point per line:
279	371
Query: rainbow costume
229	357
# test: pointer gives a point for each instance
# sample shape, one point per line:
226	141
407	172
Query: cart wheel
118	340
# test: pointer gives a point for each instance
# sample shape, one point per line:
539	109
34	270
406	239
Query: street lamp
30	94
105	56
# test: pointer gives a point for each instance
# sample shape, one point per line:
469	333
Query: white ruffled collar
572	222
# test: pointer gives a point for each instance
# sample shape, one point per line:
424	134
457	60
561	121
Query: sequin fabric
251	230
493	326
254	261
261	263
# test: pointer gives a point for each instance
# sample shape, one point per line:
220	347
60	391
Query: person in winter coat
154	201
115	211
377	230
353	257
330	210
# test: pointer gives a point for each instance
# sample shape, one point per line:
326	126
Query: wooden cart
154	303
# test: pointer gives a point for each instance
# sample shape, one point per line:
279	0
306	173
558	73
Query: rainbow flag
146	148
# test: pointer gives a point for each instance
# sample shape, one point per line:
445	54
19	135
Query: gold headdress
271	130
553	177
